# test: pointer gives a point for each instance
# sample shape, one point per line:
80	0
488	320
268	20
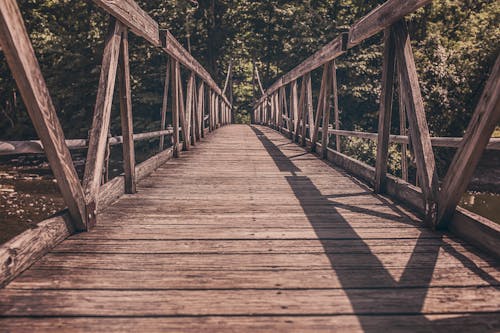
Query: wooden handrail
303	124
36	146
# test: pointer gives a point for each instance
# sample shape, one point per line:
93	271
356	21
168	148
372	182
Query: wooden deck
248	232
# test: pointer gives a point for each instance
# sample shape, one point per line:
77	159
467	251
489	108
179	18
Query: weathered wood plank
98	135
126	116
257	302
382	17
164	106
484	120
419	130
136	19
176	51
293	324
385	111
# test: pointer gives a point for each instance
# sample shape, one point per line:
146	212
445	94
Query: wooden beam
175	106
385	112
330	51
26	71
327	108
199	111
182	110
171	46
419	130
189	108
336	104
309	104
294	105
164	106
130	14
102	112
404	132
302	112
126	117
320	106
382	17
484	120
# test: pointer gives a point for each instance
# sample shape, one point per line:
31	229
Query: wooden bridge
266	227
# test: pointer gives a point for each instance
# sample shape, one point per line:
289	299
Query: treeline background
455	44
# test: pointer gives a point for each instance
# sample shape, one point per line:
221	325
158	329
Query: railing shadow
391	299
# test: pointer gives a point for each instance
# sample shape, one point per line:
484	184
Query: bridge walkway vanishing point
249	232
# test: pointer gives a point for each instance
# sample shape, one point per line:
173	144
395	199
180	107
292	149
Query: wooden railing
293	114
204	105
203	108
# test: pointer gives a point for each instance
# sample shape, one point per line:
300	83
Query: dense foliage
455	45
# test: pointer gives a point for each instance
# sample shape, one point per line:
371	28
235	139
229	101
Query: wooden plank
403	132
164	106
199	110
126	117
327	107
320	106
136	19
484	120
182	110
335	105
267	324
189	108
302	112
175	50
24	66
309	104
419	131
330	51
257	302
98	135
22	251
385	112
294	106
382	17
175	105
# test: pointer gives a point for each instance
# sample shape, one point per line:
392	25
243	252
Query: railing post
165	104
126	116
320	106
309	103
182	112
102	114
327	108
303	111
419	131
385	112
24	66
336	104
200	113
175	107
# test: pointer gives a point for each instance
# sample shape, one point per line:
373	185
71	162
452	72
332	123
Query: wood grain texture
244	230
164	106
382	17
136	19
419	130
480	129
126	116
178	52
26	71
385	112
98	135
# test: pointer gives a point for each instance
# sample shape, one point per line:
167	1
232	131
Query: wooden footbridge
266	227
